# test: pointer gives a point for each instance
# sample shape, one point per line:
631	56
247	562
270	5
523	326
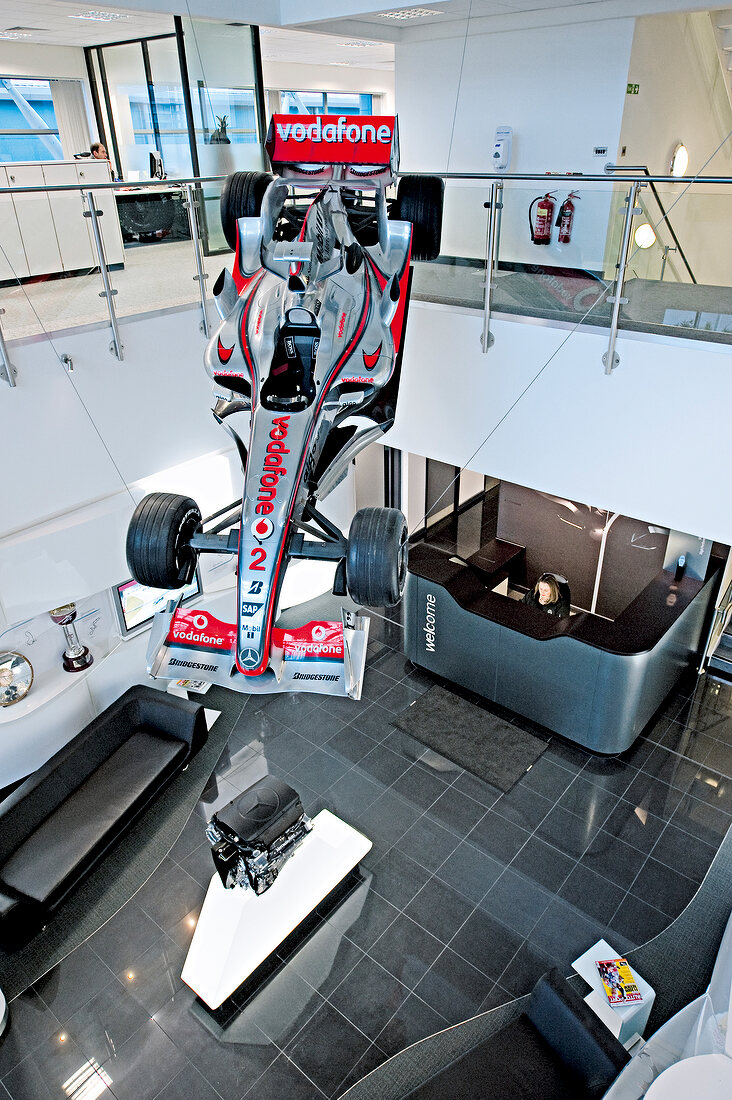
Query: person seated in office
98	151
547	596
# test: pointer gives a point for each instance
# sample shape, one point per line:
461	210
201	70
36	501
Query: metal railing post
611	359
7	370
94	214
492	238
201	276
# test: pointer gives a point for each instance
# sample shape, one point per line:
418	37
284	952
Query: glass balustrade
678	276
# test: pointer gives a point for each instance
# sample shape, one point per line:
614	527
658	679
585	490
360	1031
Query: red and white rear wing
360	150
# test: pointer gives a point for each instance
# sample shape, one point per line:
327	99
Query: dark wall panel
560	536
634	555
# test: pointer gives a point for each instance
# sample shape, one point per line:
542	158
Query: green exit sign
632	89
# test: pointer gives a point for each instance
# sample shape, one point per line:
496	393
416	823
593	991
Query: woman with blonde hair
547	596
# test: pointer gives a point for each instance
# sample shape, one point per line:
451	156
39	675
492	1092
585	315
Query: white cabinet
47	233
35	220
13	263
89	172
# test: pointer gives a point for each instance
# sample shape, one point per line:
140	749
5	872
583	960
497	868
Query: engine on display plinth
256	834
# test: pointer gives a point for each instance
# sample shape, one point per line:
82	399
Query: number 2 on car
259	555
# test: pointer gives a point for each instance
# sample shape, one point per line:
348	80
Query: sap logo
249	609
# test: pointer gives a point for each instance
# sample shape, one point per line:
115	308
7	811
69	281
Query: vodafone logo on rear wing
367	144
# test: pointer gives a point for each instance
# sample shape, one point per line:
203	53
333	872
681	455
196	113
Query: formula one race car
307	356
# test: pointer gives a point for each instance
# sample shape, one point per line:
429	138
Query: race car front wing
327	657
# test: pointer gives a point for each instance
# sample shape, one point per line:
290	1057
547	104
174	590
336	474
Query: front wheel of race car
159	553
419	201
376	562
241	197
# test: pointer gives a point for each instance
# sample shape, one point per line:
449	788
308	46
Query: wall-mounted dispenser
501	155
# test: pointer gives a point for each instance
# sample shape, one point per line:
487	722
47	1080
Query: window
28	126
232	107
328	103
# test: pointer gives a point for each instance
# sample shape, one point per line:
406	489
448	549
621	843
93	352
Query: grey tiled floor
468	895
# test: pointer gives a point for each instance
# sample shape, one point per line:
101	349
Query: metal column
610	359
93	214
201	276
494	207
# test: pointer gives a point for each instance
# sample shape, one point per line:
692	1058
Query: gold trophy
76	656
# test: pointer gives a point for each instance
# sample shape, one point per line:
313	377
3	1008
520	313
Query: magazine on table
618	981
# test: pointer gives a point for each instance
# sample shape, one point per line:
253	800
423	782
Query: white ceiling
50	22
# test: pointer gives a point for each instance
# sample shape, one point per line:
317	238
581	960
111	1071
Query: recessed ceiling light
410	13
354	45
100	16
340	62
12	35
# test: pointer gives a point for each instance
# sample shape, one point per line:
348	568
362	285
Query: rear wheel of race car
158	540
241	197
419	201
376	562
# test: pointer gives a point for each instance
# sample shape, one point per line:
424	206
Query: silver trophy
76	656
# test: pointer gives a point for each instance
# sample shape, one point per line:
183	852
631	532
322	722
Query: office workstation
597	676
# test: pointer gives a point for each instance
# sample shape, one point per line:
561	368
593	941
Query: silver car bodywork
308	340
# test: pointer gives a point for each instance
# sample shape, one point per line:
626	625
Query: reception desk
594	681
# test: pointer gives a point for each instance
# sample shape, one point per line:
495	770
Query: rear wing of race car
360	151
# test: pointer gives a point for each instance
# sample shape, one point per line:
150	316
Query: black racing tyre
241	197
158	550
419	201
376	562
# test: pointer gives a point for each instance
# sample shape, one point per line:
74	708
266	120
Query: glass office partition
222	81
132	116
171	136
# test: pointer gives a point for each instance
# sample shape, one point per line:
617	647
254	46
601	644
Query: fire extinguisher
565	218
541	227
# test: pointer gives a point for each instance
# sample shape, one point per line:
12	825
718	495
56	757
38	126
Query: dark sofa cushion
72	837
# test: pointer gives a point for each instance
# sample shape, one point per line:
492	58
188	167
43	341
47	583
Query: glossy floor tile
467	896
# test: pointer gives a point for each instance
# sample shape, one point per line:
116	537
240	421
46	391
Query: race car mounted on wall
306	363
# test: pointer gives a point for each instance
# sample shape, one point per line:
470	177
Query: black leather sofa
556	1049
57	825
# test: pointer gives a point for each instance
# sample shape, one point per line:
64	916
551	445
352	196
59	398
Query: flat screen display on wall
136	604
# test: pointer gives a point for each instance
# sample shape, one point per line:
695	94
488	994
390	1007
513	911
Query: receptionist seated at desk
550	594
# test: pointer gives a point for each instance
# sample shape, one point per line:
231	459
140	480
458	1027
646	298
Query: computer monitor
157	171
135	604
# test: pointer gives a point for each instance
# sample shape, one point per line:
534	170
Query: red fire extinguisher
541	227
565	218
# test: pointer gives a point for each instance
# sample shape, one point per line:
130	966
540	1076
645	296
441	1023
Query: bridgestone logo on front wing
193	664
315	676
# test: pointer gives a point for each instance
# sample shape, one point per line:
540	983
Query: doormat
472	737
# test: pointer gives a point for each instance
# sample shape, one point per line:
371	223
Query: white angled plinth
237	930
627	1022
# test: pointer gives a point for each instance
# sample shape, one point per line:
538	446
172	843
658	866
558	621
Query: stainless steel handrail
494	206
611	359
201	275
548	178
108	292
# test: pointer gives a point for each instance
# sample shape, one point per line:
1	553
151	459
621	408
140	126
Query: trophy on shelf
76	656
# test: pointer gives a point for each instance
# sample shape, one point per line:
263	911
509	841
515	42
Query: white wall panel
640	441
